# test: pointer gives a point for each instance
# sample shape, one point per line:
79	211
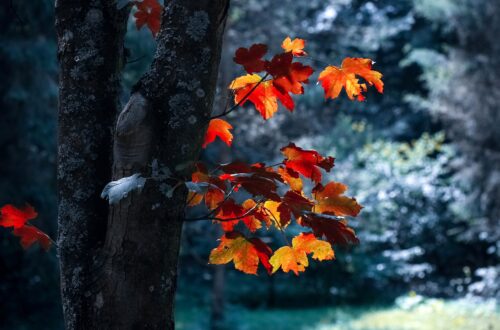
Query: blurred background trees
424	158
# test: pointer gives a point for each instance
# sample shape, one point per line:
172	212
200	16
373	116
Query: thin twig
250	211
234	107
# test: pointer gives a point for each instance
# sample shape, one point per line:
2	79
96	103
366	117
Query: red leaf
288	76
251	58
148	13
11	216
306	162
218	128
30	235
335	230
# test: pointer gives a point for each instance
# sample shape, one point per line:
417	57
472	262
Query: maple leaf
253	221
11	216
330	199
218	128
148	13
213	192
291	177
295	46
256	179
294	203
251	58
306	162
261	93
333	228
272	210
245	253
289	76
30	235
229	209
295	258
333	79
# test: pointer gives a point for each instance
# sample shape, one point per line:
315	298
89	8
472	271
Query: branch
246	214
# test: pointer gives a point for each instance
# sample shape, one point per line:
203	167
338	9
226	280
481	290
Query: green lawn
424	314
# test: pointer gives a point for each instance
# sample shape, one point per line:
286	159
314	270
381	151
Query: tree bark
90	49
124	276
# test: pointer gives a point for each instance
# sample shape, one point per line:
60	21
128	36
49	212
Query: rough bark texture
90	50
129	281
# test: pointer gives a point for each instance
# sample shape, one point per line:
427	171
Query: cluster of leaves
17	218
278	194
282	76
277	197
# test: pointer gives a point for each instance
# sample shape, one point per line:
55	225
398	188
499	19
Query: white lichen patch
117	190
99	300
197	25
94	16
192	120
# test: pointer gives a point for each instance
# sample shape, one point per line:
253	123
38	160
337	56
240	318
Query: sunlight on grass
431	314
411	314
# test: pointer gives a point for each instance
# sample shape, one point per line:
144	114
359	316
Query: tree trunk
124	276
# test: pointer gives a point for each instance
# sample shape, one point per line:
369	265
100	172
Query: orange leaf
295	258
330	199
296	47
245	253
11	216
215	192
218	128
291	177
148	13
333	79
251	58
306	162
262	94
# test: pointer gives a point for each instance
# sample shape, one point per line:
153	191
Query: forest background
423	158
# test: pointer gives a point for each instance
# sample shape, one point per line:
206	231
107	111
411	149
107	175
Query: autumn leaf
295	46
333	228
330	199
306	162
255	179
148	13
295	203
295	258
245	253
253	220
30	235
288	76
229	214
11	216
218	128
334	79
272	211
213	191
261	93
291	177
251	58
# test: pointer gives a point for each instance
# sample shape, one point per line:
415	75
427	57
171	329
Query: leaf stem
234	107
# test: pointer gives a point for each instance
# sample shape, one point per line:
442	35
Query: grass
407	314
